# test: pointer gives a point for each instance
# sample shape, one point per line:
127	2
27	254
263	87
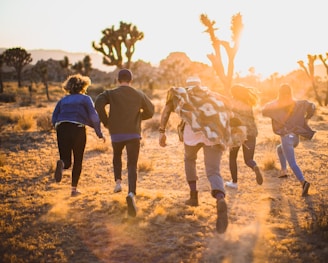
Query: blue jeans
132	151
248	152
212	160
286	154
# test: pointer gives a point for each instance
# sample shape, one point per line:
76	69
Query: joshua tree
111	44
231	50
41	69
17	58
324	62
310	73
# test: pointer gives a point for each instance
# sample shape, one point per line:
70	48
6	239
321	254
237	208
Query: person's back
127	108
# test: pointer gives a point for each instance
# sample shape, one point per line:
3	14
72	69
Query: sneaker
222	216
259	178
75	193
118	188
132	208
59	171
306	186
232	185
283	173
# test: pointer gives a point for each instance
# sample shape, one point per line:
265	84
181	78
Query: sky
277	33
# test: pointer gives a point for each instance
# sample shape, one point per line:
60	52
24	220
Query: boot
193	200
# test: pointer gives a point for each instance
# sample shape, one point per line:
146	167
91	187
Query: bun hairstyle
77	84
244	94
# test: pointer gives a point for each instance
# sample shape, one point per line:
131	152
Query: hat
124	75
193	81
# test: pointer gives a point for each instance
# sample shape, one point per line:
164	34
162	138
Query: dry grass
40	222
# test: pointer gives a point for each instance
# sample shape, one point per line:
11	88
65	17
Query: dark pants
71	138
132	151
248	152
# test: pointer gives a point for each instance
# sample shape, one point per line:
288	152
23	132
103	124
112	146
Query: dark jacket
127	108
284	122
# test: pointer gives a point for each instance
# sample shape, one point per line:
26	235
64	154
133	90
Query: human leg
248	153
117	159
191	173
288	142
79	141
233	154
132	149
212	160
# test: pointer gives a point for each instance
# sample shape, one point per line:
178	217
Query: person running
70	116
290	121
127	108
244	99
205	119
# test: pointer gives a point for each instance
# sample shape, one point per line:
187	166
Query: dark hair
242	93
77	83
124	75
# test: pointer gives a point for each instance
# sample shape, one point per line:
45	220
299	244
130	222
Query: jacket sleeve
147	108
55	114
100	103
93	117
310	109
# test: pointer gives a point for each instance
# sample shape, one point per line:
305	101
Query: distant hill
38	54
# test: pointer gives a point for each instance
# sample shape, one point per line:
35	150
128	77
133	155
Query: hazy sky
277	33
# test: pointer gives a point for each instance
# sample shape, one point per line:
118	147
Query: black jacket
127	108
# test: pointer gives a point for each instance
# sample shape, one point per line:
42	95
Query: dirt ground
40	222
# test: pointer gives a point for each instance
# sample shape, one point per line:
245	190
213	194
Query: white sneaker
231	185
118	188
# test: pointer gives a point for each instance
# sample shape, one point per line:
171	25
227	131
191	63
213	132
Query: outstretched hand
162	139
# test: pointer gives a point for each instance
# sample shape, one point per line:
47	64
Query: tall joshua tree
17	58
324	62
112	43
230	48
310	73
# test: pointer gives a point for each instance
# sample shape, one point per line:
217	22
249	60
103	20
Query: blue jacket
284	122
77	108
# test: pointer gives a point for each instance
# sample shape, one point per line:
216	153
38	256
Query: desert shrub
145	166
2	159
269	161
7	97
7	118
151	124
43	122
25	122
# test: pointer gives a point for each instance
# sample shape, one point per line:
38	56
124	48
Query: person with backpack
127	108
290	121
205	126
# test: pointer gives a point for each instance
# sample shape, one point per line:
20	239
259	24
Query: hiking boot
59	171
118	188
132	208
222	216
193	200
75	193
306	186
283	173
231	185
259	178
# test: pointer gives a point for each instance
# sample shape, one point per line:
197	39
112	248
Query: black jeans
248	152
132	151
71	138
